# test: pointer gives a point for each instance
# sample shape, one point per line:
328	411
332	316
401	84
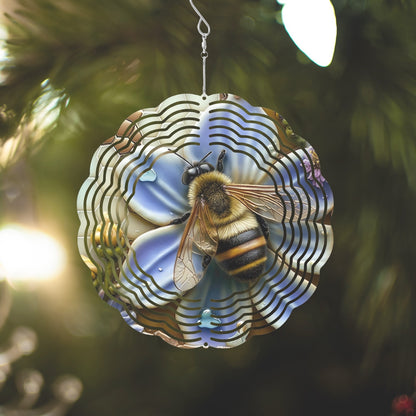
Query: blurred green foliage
351	348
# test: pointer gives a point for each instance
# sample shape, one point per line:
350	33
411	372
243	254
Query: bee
227	222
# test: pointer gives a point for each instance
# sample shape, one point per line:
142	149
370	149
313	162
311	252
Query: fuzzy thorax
224	210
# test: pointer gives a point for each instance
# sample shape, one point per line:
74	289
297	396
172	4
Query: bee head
196	169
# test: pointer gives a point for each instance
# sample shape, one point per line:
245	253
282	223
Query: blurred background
73	70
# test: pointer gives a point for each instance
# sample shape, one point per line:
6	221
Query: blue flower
136	181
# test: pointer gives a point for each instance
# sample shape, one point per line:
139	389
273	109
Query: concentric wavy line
110	224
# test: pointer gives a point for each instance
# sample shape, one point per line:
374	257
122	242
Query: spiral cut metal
156	243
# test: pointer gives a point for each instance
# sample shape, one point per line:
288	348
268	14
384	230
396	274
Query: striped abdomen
244	255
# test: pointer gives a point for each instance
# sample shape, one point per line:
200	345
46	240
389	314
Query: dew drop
148	176
160	269
207	320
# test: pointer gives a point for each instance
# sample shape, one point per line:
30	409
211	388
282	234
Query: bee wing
286	204
199	239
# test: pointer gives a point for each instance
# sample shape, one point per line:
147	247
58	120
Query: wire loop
204	53
201	20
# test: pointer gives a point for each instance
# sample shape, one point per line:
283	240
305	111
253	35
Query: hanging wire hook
204	53
201	20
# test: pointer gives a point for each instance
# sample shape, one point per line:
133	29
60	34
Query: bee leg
220	164
205	261
264	226
182	219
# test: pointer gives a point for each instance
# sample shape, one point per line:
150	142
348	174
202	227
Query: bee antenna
177	154
205	157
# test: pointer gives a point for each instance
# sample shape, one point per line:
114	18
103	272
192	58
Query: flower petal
289	172
100	201
167	124
217	312
279	291
151	184
245	132
146	277
303	246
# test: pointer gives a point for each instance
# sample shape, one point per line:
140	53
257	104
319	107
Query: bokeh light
28	254
3	51
312	26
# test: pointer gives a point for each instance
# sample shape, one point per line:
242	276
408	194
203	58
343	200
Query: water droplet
208	321
160	269
205	345
148	176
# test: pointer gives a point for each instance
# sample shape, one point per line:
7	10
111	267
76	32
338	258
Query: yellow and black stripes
244	255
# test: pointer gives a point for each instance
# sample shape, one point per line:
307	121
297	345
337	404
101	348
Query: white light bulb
312	26
27	254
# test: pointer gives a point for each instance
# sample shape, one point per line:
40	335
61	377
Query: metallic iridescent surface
134	191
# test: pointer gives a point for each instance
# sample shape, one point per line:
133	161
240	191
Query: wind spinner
205	220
